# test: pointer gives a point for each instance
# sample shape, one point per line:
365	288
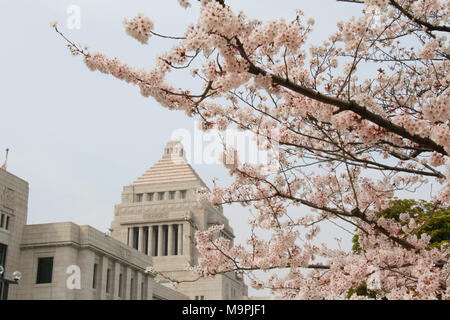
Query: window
183	194
146	235
150	196
142	291
3	248
120	285
131	289
160	195
4	221
136	238
108	275
166	240
199	297
155	240
175	238
44	270
94	276
171	195
139	197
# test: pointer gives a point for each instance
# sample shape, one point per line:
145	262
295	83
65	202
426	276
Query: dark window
94	277
150	196
7	223
142	291
146	240
44	270
160	195
183	194
3	254
155	240
139	197
175	238
135	237
2	219
171	195
166	240
108	275
131	289
120	285
3	291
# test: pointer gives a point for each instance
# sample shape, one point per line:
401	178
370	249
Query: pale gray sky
76	136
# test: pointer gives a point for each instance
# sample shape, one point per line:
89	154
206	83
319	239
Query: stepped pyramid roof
172	168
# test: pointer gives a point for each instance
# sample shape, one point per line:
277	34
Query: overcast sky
78	137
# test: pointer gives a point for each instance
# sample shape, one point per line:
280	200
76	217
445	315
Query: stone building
158	216
153	225
13	216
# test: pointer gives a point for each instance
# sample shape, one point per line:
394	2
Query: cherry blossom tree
350	124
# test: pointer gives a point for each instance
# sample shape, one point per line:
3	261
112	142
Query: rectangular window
120	285
7	223
136	238
150	196
139	197
131	289
44	270
160	195
94	276
183	194
146	234
142	291
155	240
3	248
175	238
108	275
166	240
2	220
171	195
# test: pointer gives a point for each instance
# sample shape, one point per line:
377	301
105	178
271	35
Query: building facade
158	216
13	217
154	225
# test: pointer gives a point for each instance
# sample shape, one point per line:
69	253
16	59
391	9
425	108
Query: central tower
159	215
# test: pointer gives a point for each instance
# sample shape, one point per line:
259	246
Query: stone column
180	239
104	272
150	241
160	241
127	276
138	285
170	240
186	239
141	245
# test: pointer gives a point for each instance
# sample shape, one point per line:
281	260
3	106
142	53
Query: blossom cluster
139	28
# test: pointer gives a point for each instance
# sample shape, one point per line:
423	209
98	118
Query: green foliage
356	248
432	220
362	291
